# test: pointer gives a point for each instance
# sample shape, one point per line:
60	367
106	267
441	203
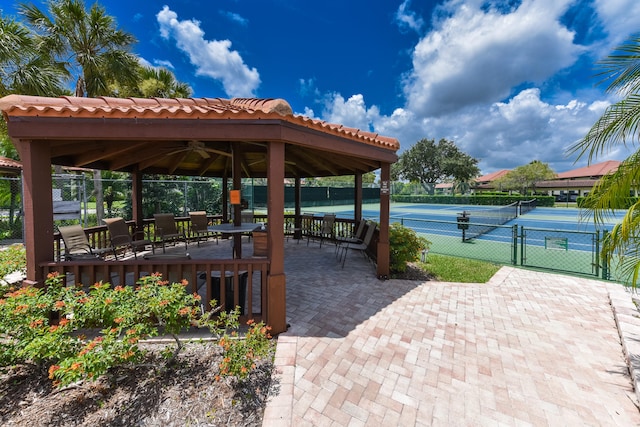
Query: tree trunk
429	187
97	191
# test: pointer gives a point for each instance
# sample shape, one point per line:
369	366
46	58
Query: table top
230	228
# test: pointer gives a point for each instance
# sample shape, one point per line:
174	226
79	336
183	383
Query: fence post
522	238
605	264
597	254
514	233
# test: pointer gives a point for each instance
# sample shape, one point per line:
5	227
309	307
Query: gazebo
209	137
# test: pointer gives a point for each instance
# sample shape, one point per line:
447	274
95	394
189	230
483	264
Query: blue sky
508	81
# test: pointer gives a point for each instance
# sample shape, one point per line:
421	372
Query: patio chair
306	224
362	246
121	238
165	230
247	217
199	226
77	246
325	231
355	237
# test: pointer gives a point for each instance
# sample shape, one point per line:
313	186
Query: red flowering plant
50	326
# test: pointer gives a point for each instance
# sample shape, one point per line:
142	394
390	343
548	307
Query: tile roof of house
592	171
492	176
567	183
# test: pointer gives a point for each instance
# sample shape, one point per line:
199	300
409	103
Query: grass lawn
453	269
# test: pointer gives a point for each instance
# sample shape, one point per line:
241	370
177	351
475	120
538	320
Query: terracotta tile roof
181	108
7	163
592	171
567	183
492	176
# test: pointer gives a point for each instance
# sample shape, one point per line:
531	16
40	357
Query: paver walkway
527	348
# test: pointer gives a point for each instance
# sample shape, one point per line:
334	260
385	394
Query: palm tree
152	83
94	51
619	125
23	69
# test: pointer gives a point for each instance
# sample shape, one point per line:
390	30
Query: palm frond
618	125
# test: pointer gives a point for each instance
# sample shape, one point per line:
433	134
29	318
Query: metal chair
165	230
120	237
199	226
355	237
325	231
362	246
77	246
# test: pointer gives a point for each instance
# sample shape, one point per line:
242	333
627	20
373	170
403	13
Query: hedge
479	199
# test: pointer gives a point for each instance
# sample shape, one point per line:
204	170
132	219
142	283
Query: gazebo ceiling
196	137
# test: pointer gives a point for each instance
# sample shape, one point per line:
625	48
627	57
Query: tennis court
557	239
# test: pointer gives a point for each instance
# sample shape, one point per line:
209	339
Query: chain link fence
574	252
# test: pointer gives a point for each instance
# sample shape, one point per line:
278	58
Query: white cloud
475	56
408	20
212	58
234	17
353	112
466	80
163	63
307	87
619	17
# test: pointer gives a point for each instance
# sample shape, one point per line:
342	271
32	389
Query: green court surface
556	239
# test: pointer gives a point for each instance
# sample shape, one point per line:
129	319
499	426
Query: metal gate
561	250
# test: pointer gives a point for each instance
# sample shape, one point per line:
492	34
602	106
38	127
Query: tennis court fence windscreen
482	221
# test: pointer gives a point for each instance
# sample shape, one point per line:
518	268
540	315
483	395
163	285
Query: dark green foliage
480	199
404	246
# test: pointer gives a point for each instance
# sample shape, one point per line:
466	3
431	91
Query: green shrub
12	259
405	246
48	326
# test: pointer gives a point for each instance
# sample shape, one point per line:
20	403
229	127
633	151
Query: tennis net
527	206
482	221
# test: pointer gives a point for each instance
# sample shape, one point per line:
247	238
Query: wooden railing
201	276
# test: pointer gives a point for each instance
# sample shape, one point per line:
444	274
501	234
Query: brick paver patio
527	348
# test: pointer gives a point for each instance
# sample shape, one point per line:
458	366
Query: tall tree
88	42
429	163
619	125
94	51
524	178
23	68
153	83
161	83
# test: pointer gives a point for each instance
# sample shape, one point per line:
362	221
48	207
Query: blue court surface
540	224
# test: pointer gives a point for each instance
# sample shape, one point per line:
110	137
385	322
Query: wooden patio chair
199	226
77	246
165	230
362	246
121	238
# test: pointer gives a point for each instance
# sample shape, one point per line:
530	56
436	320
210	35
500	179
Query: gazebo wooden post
297	225
383	239
38	207
225	199
276	280
357	207
237	185
136	198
